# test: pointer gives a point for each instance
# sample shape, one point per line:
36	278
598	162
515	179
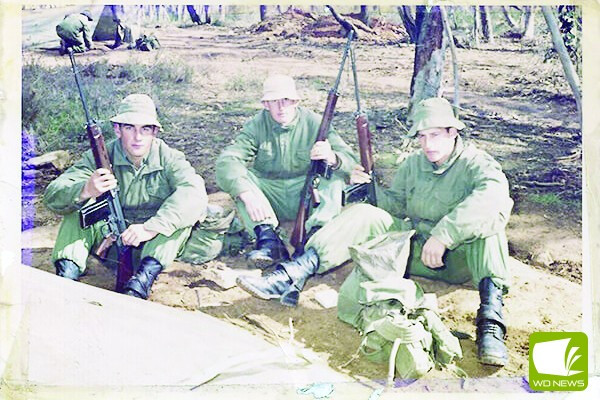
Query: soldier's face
282	110
437	143
136	140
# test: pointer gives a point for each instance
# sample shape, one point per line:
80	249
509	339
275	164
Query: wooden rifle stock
364	143
310	195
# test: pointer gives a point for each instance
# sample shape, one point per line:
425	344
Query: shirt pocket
264	157
447	200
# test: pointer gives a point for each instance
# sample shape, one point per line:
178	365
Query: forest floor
516	107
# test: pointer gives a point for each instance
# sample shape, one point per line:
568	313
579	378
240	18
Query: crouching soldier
161	195
75	31
265	169
454	196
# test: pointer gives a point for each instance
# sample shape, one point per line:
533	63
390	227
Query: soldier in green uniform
75	31
454	196
265	168
161	195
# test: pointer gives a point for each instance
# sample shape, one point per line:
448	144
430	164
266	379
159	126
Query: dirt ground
516	107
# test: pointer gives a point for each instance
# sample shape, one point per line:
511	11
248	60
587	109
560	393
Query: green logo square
558	361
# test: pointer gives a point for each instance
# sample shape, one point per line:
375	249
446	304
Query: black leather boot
491	328
67	269
269	248
139	284
286	282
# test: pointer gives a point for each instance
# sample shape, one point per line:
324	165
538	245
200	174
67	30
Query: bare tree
529	31
476	26
364	16
207	18
561	49
512	24
448	30
429	58
409	22
193	14
263	12
486	24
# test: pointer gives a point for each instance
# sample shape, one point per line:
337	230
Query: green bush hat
137	109
278	87
88	14
435	112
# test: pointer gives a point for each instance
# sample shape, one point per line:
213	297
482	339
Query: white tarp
72	334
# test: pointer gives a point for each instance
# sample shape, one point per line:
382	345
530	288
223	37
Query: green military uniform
76	31
464	203
280	158
165	194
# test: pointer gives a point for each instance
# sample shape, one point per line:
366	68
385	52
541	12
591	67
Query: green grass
52	109
546	199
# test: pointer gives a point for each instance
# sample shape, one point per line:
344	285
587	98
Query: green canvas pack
392	313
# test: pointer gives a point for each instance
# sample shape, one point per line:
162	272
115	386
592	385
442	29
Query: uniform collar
428	166
150	163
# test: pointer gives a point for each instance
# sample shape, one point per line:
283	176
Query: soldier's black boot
491	328
139	284
269	248
286	282
67	269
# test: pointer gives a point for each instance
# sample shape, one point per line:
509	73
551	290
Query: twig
544	184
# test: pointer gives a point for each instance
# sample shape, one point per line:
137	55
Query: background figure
75	31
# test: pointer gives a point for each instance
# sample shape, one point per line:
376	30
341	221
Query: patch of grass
545	199
244	83
52	109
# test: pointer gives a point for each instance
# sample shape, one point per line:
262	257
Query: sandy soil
519	111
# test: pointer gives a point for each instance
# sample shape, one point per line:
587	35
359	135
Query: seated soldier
279	143
161	195
75	31
454	196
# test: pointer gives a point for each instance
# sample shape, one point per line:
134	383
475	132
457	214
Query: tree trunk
263	12
409	22
529	32
222	12
509	20
448	30
486	24
193	15
207	18
364	15
429	58
561	49
476	27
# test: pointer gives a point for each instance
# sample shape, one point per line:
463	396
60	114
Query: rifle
107	206
309	196
361	192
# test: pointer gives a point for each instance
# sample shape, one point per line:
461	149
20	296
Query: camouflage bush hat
435	112
279	87
88	14
137	109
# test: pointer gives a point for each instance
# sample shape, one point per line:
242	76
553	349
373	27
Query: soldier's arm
232	163
188	201
484	212
63	194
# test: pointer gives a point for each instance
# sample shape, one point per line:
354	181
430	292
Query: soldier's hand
321	150
358	175
432	253
102	180
256	205
136	234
